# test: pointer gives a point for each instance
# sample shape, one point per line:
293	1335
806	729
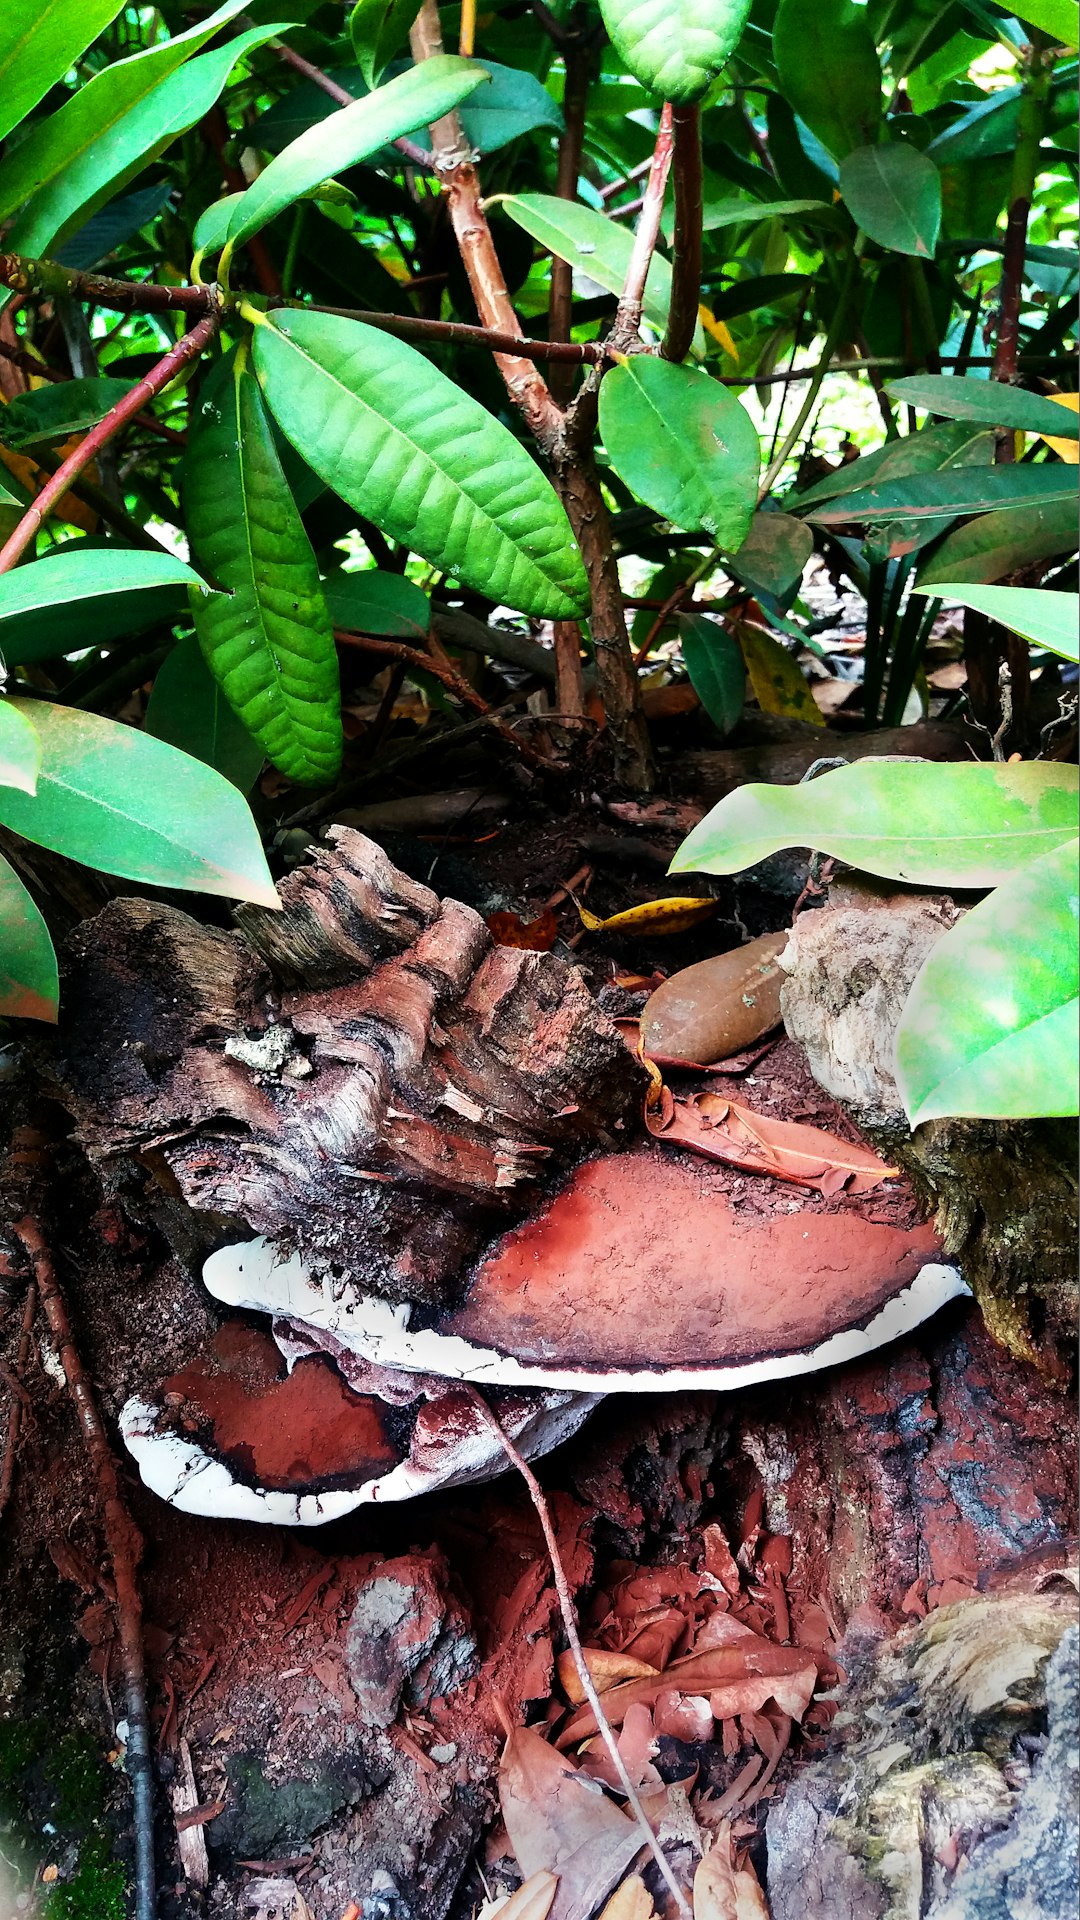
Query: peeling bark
363	1077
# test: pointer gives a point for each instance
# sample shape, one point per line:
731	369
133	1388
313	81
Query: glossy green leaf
127	804
352	134
940	496
75	598
20	749
774	553
776	677
996	544
405	446
989	401
267	640
990	1027
933	450
893	192
933	826
515	103
1058	18
112	128
53	413
683	444
829	71
29	983
39	41
117	221
675	47
379	29
375	602
187	709
594	245
715	664
1047	619
737	213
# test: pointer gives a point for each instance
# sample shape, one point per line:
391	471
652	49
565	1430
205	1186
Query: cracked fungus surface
642	1261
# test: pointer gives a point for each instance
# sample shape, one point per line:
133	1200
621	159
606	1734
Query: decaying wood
786	748
363	1077
1005	1191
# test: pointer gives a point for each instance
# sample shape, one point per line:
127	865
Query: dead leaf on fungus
725	1130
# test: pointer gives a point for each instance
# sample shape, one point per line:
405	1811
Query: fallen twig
125	1547
22	1355
566	1605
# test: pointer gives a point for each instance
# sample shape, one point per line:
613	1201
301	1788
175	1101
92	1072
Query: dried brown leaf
559	1821
607	1670
715	1896
631	1901
532	1901
736	1679
726	1130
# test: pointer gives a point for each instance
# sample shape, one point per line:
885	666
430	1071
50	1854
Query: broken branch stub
363	1077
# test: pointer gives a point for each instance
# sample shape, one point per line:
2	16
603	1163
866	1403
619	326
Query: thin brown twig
14	1427
454	682
566	1606
686	250
124	1544
417	156
646	233
577	61
187	349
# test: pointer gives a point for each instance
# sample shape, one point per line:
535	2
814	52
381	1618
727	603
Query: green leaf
932	450
353	134
515	103
989	401
940	496
20	750
112	128
73	599
127	804
829	71
39	41
374	602
716	668
53	413
1058	18
409	449
996	544
594	245
29	983
187	709
378	30
774	553
675	47
735	213
1045	618
267	640
893	193
683	444
990	1024
933	826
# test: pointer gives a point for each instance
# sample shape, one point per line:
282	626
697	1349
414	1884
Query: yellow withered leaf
631	1901
775	676
1068	449
719	332
653	917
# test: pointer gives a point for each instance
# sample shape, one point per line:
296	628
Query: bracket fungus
236	1435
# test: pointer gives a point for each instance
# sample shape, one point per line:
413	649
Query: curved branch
686	257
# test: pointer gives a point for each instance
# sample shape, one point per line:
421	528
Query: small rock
408	1635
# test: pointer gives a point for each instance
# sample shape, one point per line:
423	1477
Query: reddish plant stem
569	673
414	154
686	255
124	1544
575	102
1029	132
454	682
14	1426
646	233
628	179
48	279
569	1617
186	350
217	132
453	160
460	333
